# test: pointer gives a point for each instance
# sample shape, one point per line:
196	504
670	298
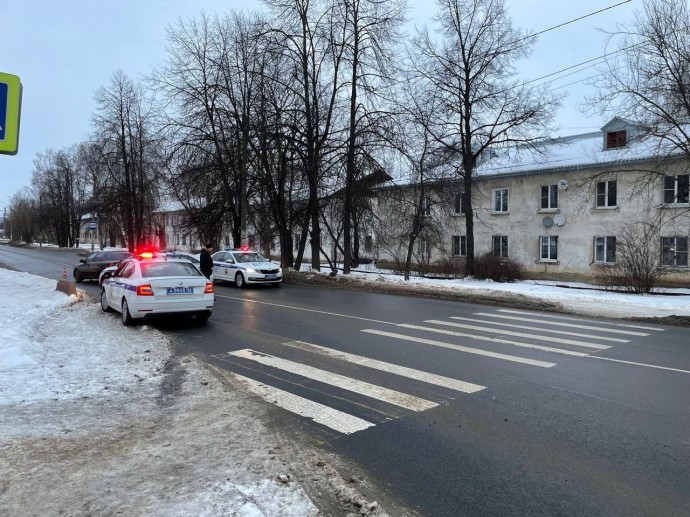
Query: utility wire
581	18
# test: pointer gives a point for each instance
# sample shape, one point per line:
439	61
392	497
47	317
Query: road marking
583	320
551	331
639	364
340	381
521	334
496	340
304	309
493	339
460	348
324	415
562	324
418	375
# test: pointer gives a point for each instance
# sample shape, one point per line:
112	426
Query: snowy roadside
567	297
98	419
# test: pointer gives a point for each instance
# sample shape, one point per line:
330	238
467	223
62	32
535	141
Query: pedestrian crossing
348	393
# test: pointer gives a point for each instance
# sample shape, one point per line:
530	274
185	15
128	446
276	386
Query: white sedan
245	267
147	287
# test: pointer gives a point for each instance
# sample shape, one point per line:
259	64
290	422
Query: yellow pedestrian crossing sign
10	111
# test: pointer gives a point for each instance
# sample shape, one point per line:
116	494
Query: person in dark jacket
205	261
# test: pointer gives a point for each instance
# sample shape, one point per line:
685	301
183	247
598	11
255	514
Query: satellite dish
559	219
562	185
547	222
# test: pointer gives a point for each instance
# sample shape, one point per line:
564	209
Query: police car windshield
250	257
153	269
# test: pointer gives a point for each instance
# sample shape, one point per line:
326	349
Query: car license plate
180	290
271	277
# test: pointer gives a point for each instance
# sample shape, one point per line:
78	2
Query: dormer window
615	139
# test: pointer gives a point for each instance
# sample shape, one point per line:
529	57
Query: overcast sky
64	51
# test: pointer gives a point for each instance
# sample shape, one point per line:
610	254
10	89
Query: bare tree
312	37
470	74
636	266
646	76
371	28
123	127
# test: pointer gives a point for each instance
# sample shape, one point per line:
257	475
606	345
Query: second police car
150	284
244	267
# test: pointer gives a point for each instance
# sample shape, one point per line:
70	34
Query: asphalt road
459	409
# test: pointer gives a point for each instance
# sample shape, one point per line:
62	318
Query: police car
245	267
149	284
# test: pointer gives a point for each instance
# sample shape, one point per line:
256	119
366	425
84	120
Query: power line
581	18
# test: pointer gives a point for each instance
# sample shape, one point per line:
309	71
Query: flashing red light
244	248
146	255
209	288
144	290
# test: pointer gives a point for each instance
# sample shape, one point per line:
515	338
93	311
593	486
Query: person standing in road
205	260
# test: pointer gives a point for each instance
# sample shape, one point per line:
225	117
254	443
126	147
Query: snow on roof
575	151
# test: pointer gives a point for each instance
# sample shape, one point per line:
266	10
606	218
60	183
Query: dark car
90	267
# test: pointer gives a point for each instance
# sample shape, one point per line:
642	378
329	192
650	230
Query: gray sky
64	51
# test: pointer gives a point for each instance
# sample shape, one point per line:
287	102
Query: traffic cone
64	273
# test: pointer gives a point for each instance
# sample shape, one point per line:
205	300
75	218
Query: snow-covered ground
97	419
572	297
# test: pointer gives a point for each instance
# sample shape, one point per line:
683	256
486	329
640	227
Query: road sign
92	225
10	110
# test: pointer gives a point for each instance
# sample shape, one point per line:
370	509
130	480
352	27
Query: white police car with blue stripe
245	267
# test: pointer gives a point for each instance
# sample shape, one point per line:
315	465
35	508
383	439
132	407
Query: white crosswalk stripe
411	373
324	415
541	329
566	324
469	350
538	337
582	320
502	341
396	398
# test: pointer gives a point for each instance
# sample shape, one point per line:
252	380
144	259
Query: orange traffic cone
64	273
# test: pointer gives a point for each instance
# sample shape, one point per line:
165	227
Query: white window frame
423	247
459	243
676	190
503	246
602	247
459	204
551	242
499	198
551	197
426	206
673	243
607	202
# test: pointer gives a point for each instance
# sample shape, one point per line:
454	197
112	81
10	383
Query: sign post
92	229
10	111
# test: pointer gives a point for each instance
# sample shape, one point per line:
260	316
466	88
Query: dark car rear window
117	255
152	269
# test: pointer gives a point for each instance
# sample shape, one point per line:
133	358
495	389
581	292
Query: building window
459	204
500	198
549	247
549	196
426	206
459	246
605	249
500	246
674	251
177	239
606	194
676	189
184	239
368	243
615	139
227	240
296	241
423	247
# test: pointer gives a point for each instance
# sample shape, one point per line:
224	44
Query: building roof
573	152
